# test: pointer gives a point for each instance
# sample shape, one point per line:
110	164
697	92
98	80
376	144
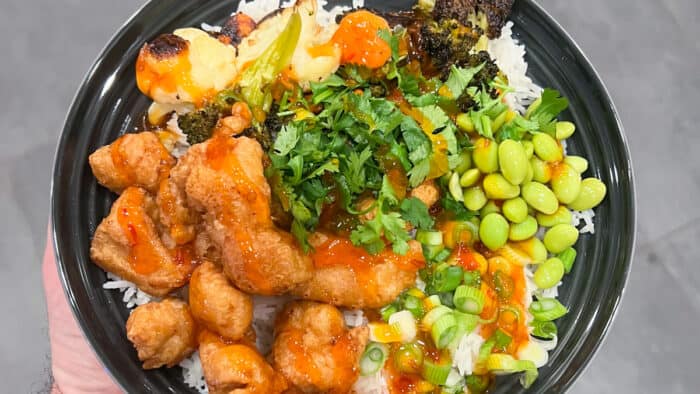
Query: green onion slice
547	309
505	364
414	305
436	373
568	256
430	238
444	330
469	299
433	315
373	358
447	278
387	311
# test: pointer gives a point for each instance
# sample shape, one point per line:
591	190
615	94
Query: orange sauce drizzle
358	40
340	251
171	75
143	254
220	156
121	162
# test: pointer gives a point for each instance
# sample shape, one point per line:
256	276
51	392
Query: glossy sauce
340	252
358	40
221	156
171	74
121	162
144	256
179	229
439	164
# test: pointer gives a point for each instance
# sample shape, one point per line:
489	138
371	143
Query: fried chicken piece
178	220
163	333
224	181
428	192
132	160
127	244
235	368
217	305
314	349
347	275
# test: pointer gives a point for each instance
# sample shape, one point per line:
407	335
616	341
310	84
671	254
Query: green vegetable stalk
266	68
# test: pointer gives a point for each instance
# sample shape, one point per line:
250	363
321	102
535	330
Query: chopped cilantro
416	212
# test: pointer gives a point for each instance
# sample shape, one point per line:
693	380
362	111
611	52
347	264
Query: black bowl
108	105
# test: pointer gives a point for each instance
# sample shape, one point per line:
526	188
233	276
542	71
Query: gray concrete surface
646	52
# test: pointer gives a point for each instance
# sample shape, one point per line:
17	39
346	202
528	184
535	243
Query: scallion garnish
469	299
547	309
373	359
443	330
568	256
436	373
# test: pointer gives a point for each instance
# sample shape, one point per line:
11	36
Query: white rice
509	55
132	296
467	352
587	218
373	384
181	144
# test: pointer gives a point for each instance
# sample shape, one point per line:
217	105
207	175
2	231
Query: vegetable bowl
498	189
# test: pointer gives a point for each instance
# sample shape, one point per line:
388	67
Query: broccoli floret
465	102
266	132
487	73
448	42
490	15
199	125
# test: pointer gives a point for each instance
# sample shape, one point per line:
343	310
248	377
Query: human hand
73	362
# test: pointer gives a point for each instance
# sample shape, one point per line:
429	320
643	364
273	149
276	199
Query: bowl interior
108	104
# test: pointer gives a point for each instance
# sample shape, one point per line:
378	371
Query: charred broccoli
448	42
199	125
490	15
266	132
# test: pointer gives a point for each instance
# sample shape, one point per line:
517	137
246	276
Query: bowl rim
81	92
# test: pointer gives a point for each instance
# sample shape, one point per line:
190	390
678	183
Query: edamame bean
497	187
529	148
490	207
474	198
547	147
541	172
560	237
549	273
529	174
493	231
535	104
513	161
455	188
485	155
561	216
524	230
566	183
534	248
470	177
540	197
465	162
578	163
564	130
464	122
592	193
515	210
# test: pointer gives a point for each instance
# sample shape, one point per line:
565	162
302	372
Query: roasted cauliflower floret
188	66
